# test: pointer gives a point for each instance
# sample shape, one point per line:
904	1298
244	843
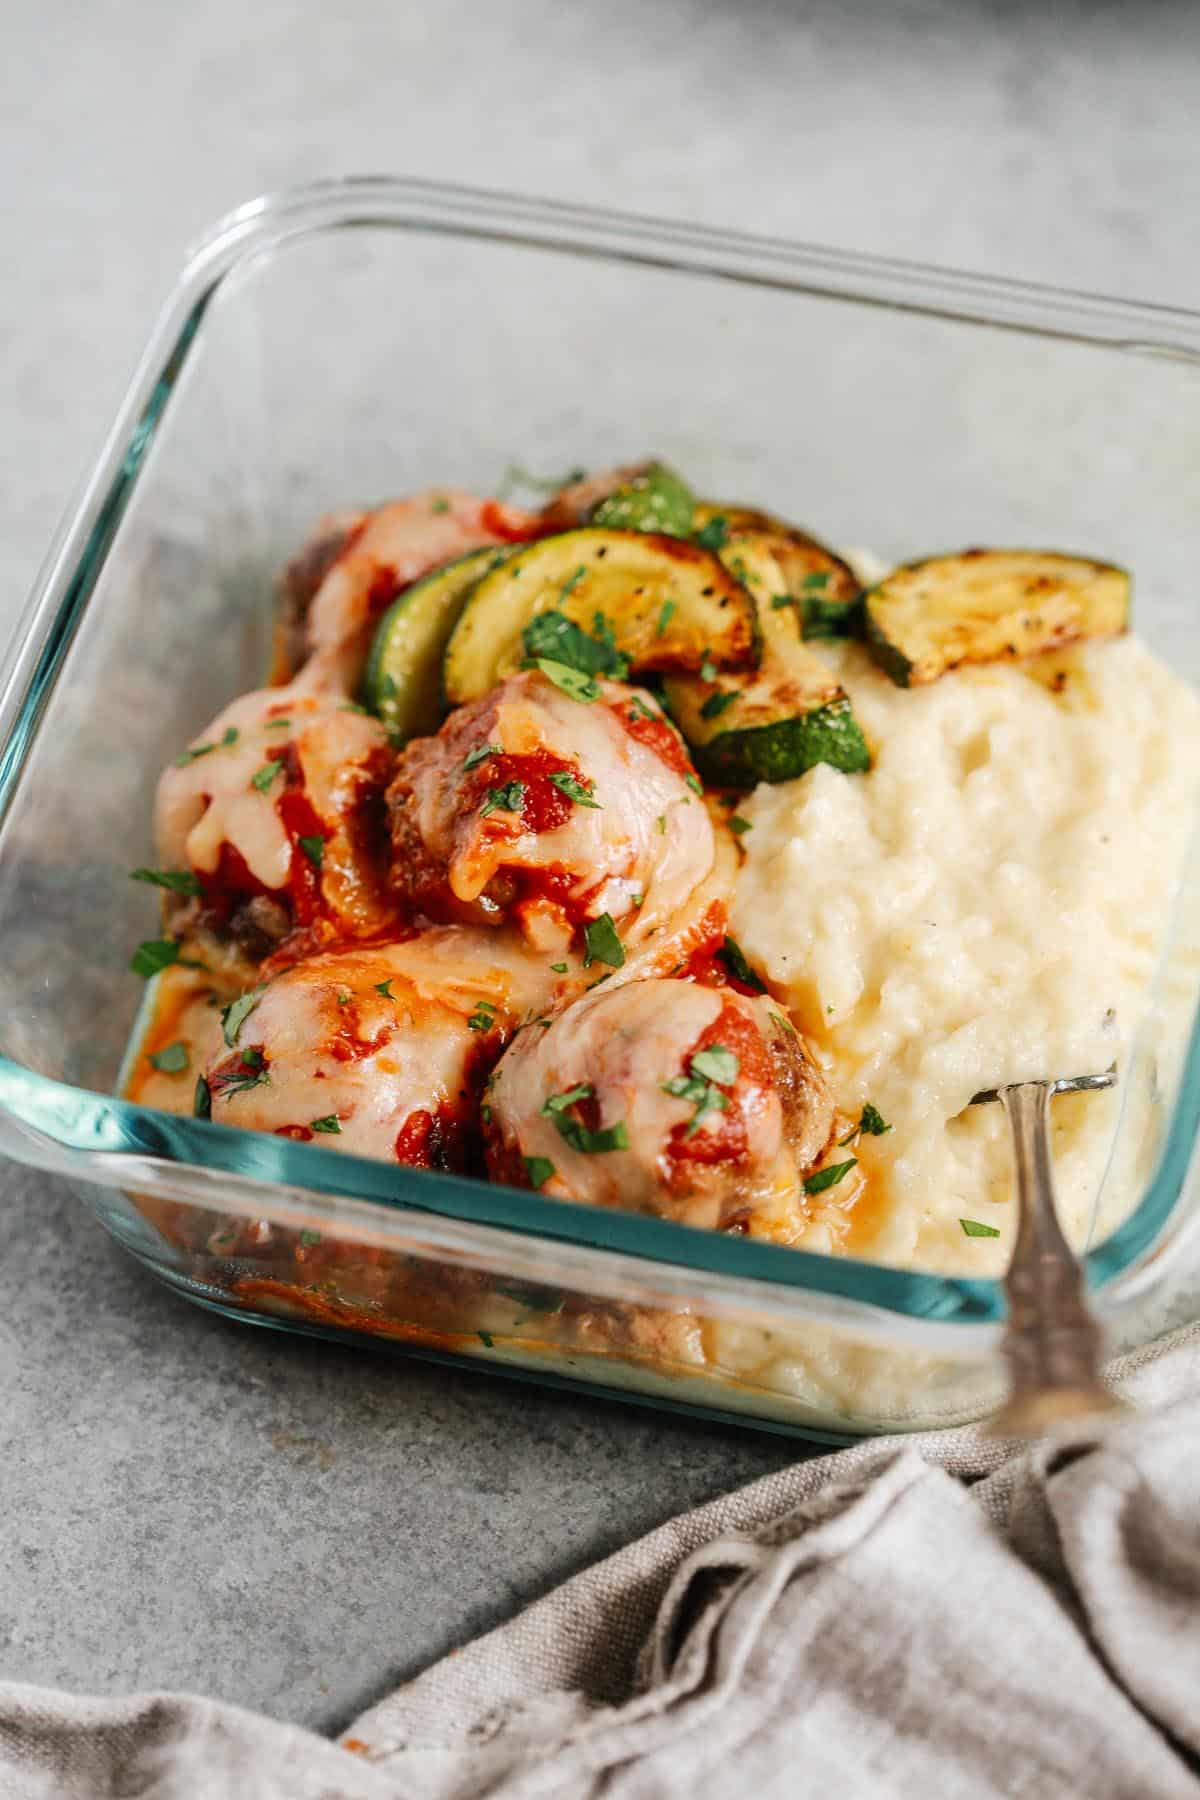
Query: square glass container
353	340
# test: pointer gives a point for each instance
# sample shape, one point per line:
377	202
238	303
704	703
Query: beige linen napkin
934	1617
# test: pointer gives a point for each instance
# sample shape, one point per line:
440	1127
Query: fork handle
1052	1344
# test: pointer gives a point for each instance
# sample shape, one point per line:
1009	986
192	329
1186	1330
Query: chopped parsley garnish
779	601
229	736
503	799
665	616
823	618
714	535
571	681
718	703
153	955
353	706
385	988
813	583
539	1170
740	825
693	781
314	849
715	1064
388	688
176	881
708	668
827	1178
734	958
234	1016
485	1338
639	710
582	793
601	943
972	1228
171	1061
872	1123
330	1124
262	778
481	755
485	1113
660	824
483	1018
579	1137
554	637
278	724
698	1086
252	1074
439	506
572	581
202	1099
309	1238
783	1023
344	999
638	900
190	756
559	968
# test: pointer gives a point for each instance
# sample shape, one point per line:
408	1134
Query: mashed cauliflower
988	905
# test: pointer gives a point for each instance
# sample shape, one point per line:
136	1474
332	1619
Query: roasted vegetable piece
653	499
663	603
778	721
986	606
824	589
403	683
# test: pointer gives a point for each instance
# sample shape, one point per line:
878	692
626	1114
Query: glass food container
357	339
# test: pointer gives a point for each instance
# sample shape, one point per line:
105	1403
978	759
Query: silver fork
1051	1343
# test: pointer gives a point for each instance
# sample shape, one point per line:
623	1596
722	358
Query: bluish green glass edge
78	1119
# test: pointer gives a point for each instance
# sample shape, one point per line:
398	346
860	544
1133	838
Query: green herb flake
815	582
229	736
262	778
176	881
329	1124
700	1093
579	1137
344	999
873	1121
716	1064
202	1099
734	958
779	601
481	756
714	535
572	681
639	710
483	1017
718	703
666	614
309	1238
572	581
385	988
739	825
601	943
278	724
485	1338
660	824
708	668
827	1178
439	506
783	1023
193	755
354	707
388	687
582	793
171	1061
503	799
552	636
539	1169
314	849
153	955
972	1228
558	968
693	781
234	1016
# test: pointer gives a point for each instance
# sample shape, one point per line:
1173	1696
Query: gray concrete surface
183	1503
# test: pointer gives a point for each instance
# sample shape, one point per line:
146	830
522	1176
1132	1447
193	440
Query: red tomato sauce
723	1136
657	734
544	807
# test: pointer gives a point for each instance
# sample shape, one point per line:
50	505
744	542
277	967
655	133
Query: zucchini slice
654	499
403	679
776	723
987	606
825	590
667	605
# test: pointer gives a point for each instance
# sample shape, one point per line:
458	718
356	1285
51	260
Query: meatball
277	810
391	548
532	805
695	1103
378	1051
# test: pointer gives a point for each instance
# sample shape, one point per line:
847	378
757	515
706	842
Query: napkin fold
939	1616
